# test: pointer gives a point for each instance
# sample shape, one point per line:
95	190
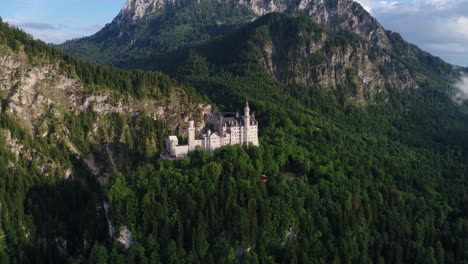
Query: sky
437	26
55	21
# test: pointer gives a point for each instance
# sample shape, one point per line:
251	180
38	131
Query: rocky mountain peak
338	14
137	9
262	7
334	14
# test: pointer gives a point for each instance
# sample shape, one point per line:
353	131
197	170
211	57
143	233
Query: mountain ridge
323	12
141	27
151	34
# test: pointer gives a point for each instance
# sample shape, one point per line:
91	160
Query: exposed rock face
136	9
35	92
347	15
20	152
336	15
39	93
15	147
125	237
307	60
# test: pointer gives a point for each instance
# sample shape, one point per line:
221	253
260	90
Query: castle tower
246	109
191	134
246	122
172	148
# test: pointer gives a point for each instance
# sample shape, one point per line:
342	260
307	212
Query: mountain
330	44
364	146
149	28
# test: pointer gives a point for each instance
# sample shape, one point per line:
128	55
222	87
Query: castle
229	130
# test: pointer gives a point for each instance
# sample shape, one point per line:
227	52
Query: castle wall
253	135
181	151
237	135
215	142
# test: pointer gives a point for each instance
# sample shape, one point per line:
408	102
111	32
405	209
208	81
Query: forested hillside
382	181
64	127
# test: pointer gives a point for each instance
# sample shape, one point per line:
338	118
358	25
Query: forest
385	183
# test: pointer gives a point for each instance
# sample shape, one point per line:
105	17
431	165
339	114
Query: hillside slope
64	124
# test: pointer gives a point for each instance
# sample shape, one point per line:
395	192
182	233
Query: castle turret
191	134
172	148
246	109
246	122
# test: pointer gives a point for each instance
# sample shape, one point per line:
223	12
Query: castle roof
236	121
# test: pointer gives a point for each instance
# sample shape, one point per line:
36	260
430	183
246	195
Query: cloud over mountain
462	87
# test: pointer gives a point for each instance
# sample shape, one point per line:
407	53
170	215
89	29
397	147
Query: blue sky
58	20
437	26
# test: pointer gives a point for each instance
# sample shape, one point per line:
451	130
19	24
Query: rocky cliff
57	107
296	51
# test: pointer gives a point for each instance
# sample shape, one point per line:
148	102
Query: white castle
228	131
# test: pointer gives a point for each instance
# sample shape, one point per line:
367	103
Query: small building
228	130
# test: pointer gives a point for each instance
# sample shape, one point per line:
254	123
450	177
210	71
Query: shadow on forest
66	216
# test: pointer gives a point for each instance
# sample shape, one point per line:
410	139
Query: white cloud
460	26
462	89
447	47
382	6
440	4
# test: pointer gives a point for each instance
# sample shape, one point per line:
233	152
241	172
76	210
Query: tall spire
247	108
